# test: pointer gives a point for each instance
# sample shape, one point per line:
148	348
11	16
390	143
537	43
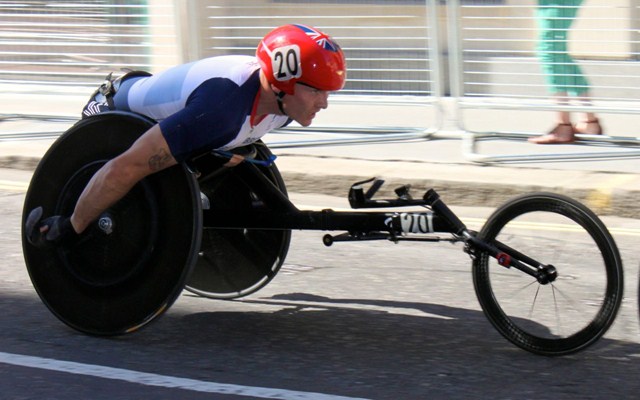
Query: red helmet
300	53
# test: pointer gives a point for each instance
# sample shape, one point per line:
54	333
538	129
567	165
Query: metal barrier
74	45
68	48
391	49
495	67
395	50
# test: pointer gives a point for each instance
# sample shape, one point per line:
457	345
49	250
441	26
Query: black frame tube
279	213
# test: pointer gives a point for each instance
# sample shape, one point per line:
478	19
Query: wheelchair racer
217	103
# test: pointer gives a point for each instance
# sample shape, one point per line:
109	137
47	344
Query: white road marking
143	378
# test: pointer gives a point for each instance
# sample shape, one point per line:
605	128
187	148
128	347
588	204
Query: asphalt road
357	320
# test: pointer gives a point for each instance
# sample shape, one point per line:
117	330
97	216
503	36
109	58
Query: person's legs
589	123
562	99
562	74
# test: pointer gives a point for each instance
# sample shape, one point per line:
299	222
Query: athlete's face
305	103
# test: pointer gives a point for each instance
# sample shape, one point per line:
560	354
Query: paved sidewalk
331	170
609	186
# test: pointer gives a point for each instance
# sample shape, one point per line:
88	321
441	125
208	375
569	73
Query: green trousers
561	71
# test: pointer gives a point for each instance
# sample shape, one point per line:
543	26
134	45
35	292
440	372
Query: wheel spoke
533	303
555	303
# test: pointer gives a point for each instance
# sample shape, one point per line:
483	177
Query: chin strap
279	97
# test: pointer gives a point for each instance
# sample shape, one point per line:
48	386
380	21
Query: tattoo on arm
160	160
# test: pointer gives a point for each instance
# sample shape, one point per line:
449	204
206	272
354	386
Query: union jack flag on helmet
323	40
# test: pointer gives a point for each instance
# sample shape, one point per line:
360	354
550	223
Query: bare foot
592	127
561	134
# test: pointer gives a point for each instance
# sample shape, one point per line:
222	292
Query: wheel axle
546	274
105	224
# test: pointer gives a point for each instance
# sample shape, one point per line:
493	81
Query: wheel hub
547	274
105	224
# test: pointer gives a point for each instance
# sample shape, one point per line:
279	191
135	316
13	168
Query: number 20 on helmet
294	54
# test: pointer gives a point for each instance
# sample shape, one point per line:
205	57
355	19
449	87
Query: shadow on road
401	355
323	346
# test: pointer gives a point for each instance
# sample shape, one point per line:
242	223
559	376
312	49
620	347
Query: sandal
586	127
561	134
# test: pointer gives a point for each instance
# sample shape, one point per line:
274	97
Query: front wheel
580	304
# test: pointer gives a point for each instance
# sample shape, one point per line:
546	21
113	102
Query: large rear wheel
132	263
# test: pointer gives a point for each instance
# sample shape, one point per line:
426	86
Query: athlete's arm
149	154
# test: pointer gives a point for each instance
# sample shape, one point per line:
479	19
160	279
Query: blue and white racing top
203	105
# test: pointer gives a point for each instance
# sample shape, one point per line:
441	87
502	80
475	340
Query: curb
619	203
605	193
19	162
478	185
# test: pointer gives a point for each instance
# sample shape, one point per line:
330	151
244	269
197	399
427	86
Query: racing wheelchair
223	232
